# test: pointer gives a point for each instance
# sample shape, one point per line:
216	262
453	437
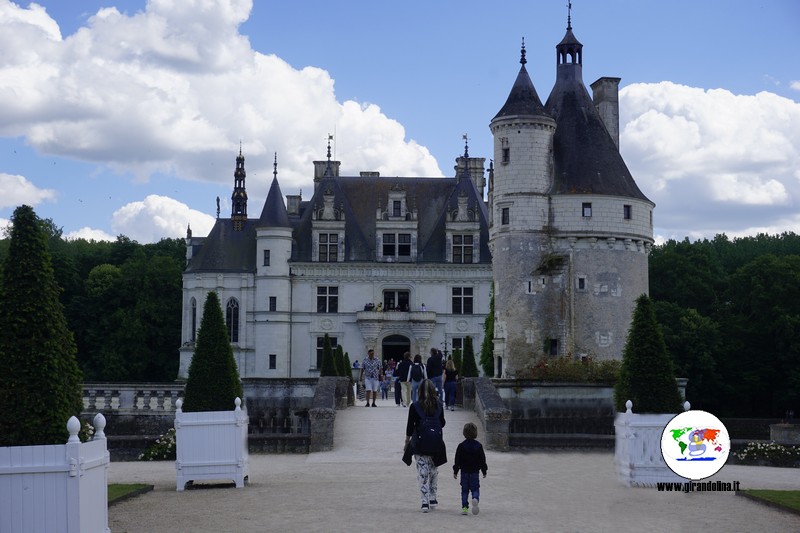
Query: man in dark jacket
435	368
402	371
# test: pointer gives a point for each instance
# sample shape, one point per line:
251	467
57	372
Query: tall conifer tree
213	382
647	376
468	367
41	385
328	364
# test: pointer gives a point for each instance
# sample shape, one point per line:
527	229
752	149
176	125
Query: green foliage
328	364
348	372
566	369
458	360
213	382
468	367
40	382
487	346
338	358
647	376
163	449
730	310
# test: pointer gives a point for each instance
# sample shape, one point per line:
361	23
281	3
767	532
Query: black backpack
428	439
416	373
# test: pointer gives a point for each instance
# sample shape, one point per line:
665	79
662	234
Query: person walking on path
416	373
370	375
450	380
435	369
405	384
470	458
425	423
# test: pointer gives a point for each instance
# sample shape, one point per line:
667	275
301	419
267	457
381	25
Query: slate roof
586	159
226	250
523	99
359	198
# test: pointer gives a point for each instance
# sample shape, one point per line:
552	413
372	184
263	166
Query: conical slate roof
274	214
522	100
585	158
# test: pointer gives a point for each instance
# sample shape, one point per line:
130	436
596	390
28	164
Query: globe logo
695	444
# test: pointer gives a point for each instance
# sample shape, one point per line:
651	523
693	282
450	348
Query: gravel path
362	485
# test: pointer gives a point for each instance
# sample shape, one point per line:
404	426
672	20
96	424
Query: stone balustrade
131	398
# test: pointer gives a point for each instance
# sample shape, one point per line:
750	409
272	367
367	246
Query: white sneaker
475	509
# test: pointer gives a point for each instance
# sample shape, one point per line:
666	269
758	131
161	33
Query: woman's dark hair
428	399
418	358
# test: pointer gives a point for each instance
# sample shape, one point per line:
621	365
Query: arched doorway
394	346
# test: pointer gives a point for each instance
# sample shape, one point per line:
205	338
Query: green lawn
785	499
119	492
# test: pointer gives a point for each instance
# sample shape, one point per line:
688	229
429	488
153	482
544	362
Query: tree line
730	313
122	302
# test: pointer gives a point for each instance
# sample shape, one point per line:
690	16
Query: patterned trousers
428	477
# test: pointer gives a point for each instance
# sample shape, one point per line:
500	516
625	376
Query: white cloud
17	190
89	234
157	217
5	225
711	159
795	84
172	89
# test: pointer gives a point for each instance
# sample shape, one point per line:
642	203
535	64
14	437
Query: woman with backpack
416	373
425	441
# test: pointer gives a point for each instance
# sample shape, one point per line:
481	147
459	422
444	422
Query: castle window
273	359
458	343
328	247
504	216
396	204
587	209
462	300
395	300
194	321
462	248
506	156
397	245
551	346
321	348
273	303
581	283
327	299
266	258
232	319
626	212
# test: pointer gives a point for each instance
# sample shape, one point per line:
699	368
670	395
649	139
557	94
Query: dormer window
397	245
586	209
396	208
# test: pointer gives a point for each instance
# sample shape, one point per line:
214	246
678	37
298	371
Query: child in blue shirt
470	458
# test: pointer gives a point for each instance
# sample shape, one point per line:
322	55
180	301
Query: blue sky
125	116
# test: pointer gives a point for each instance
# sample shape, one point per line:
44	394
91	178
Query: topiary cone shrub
213	383
647	376
468	367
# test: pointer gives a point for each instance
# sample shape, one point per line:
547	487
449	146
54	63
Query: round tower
518	237
273	284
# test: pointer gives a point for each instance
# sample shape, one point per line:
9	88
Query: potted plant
647	385
211	439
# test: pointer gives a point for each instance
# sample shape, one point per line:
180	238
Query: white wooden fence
211	445
59	488
637	452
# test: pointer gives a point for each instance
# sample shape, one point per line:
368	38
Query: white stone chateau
406	264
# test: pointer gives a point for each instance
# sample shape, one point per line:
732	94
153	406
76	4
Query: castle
406	264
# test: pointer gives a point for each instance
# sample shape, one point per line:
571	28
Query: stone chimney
605	94
293	204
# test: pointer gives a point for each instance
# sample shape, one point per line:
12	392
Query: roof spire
522	59
240	148
328	168
275	167
466	145
569	15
